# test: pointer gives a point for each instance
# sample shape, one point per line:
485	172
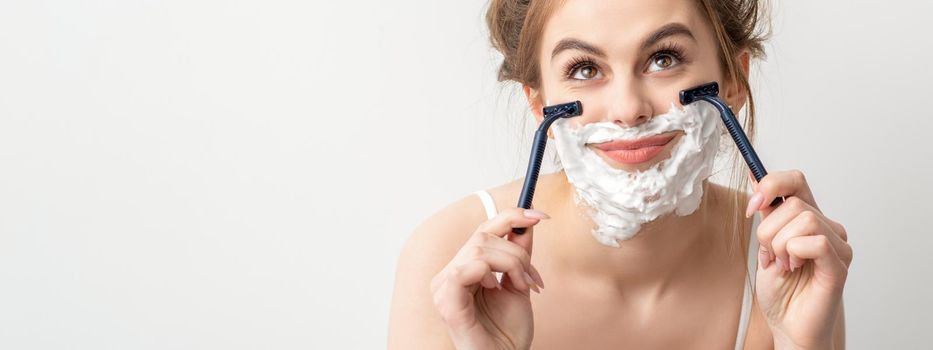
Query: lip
635	151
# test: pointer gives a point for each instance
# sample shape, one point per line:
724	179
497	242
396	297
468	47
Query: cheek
594	107
593	102
708	69
664	90
663	95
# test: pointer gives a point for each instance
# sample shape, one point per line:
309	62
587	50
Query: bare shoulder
413	321
507	194
441	235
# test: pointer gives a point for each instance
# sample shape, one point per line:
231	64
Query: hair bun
505	19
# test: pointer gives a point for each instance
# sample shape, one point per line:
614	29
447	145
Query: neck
663	251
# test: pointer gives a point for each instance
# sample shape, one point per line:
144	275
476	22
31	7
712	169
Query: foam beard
618	201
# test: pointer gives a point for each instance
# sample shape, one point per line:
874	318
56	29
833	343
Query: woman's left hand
803	263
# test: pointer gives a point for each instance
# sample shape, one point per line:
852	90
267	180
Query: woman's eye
662	61
586	72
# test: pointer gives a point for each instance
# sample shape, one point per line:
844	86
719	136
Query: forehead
619	25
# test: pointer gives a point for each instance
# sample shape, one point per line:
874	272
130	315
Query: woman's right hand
481	313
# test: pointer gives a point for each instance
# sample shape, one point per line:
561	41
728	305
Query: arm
414	322
839	330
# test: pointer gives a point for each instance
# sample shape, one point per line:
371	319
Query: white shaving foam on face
621	201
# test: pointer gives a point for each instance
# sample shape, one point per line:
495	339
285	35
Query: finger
522	276
838	229
464	277
488	241
503	262
441	277
515	248
819	248
769	226
481	240
845	253
840	239
502	224
783	184
524	240
764	257
454	297
807	223
490	281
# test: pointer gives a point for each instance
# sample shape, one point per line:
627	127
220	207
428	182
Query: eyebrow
665	31
576	44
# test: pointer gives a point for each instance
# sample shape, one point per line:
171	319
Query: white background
242	174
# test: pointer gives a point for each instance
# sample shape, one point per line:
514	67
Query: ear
735	95
536	104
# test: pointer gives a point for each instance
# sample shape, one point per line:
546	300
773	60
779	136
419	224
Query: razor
551	114
709	92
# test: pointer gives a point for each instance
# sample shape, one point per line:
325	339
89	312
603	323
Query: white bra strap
488	203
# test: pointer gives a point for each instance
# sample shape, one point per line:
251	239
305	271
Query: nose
629	107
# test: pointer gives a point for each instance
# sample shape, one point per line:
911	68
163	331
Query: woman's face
627	61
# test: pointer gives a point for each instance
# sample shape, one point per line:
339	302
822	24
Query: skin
676	284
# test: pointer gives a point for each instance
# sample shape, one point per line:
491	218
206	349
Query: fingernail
780	263
753	204
763	259
531	281
534	214
537	276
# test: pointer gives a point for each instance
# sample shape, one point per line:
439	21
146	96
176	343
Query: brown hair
515	28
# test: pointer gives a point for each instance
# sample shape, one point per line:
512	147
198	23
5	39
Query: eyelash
577	62
671	49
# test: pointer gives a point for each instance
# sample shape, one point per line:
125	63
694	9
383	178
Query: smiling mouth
635	151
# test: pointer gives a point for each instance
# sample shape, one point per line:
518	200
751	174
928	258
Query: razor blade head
693	94
565	110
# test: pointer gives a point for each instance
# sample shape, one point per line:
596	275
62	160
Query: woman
698	276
